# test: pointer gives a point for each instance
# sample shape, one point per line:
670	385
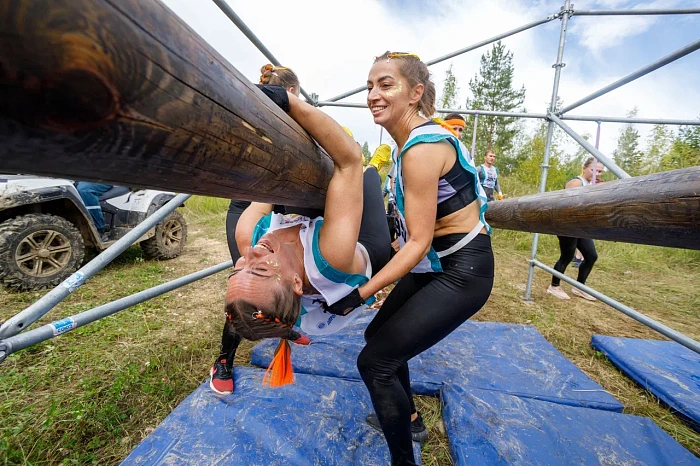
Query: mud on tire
38	251
169	240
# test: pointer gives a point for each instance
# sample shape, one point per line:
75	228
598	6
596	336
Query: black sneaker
221	380
419	432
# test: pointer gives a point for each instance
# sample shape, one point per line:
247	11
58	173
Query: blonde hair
279	76
413	69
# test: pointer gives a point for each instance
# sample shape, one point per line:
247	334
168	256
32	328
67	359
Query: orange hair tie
456	122
280	371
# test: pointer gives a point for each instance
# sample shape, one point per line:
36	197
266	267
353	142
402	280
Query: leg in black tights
590	256
420	311
567	249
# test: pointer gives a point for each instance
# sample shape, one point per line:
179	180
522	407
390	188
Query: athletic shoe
221	380
582	294
577	263
302	340
419	432
557	292
381	157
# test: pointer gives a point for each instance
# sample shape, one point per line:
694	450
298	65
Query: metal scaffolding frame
14	335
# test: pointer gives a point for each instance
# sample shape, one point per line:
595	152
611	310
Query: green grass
91	395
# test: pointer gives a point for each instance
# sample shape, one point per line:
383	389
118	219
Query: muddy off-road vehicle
45	228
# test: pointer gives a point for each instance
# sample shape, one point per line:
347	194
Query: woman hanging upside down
293	266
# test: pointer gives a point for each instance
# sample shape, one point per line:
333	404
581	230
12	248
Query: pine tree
685	151
659	145
493	89
366	153
628	156
450	91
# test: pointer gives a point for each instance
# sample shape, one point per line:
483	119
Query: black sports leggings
374	236
420	311
567	248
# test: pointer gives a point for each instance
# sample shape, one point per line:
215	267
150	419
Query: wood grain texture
662	209
123	91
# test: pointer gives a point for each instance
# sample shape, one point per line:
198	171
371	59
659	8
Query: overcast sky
331	46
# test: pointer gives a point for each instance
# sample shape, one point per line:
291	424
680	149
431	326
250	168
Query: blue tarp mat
315	421
665	368
491	428
515	359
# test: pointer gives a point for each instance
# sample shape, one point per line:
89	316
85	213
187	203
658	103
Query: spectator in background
488	176
457	122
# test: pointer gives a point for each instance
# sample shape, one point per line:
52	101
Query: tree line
521	150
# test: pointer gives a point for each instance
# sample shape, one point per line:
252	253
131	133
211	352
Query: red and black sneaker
221	376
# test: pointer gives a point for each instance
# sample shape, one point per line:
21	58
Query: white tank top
331	283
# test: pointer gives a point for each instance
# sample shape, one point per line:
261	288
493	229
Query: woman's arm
246	224
575	183
343	210
422	166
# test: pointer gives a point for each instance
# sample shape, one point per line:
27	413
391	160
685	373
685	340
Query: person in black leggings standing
445	261
568	245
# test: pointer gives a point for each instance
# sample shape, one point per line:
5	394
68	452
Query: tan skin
277	259
459	130
394	105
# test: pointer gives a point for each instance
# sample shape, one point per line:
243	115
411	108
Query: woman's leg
374	229
590	256
426	317
567	249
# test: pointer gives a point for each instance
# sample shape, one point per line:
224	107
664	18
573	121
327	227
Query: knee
591	257
372	367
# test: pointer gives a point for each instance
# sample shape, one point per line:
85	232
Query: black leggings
374	236
420	311
567	248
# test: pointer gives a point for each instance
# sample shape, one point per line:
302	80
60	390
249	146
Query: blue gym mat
510	358
315	421
665	368
492	428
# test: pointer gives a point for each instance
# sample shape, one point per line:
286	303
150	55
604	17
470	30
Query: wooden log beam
662	209
124	92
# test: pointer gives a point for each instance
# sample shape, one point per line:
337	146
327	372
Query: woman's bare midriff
462	221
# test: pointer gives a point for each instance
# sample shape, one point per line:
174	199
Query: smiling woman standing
445	262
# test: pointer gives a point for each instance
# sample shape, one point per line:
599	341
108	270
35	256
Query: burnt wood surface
662	209
124	92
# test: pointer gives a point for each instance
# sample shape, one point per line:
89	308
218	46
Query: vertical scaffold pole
565	14
476	122
595	161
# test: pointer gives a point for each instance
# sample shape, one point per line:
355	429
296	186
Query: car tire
169	239
38	251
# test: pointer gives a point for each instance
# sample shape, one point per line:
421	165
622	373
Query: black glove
346	305
277	94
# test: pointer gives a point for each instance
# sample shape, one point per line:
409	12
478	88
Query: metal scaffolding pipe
460	111
680	11
636	315
642	121
39	308
604	159
558	65
235	19
683	51
458	52
45	332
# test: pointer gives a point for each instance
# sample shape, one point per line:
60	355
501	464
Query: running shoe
576	263
419	432
221	380
557	292
381	157
582	294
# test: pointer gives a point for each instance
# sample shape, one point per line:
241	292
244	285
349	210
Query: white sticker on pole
62	326
74	281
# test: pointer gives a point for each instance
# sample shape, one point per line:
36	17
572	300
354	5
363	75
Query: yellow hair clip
403	55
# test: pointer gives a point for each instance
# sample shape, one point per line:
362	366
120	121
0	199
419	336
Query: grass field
90	396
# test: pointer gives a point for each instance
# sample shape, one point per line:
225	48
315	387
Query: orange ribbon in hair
456	122
280	371
444	124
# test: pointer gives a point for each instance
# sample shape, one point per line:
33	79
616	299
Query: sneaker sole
211	383
587	298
